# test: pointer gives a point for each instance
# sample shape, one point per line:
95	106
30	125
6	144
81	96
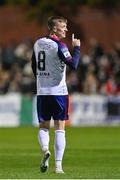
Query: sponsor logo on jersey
44	74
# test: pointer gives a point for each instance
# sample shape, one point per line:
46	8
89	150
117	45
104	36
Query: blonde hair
52	20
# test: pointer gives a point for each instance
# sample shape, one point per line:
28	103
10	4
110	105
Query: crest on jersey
66	54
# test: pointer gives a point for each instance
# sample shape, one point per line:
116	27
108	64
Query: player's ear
54	29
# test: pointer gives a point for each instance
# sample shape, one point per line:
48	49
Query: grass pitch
91	153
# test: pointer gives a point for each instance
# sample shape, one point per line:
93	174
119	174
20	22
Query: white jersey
51	71
49	60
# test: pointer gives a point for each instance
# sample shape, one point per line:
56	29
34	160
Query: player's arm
33	63
64	54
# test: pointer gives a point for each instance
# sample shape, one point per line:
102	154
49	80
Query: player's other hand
75	42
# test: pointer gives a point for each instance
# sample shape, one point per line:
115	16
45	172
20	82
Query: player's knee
45	125
59	125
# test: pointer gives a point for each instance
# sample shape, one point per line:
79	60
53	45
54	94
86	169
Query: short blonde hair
52	20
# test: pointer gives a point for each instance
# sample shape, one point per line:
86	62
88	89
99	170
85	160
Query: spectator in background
15	82
103	69
110	87
72	82
8	56
95	50
23	53
90	84
4	80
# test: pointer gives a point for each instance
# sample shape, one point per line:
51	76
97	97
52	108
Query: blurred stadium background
94	88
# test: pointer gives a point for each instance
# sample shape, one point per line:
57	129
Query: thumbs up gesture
75	42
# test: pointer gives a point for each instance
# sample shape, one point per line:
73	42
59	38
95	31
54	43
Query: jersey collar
54	37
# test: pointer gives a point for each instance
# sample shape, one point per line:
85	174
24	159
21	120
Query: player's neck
54	36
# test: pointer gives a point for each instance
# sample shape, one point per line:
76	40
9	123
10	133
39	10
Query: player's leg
59	144
44	125
43	138
60	115
43	135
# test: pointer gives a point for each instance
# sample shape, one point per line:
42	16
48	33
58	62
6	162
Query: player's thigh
60	108
43	108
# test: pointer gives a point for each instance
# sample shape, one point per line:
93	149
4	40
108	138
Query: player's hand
75	42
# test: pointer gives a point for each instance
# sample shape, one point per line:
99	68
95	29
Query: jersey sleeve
64	54
33	63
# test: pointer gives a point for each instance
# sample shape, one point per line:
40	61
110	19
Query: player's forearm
74	60
76	57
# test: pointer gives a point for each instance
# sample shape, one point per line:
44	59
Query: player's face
60	29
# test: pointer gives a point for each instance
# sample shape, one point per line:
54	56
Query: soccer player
49	59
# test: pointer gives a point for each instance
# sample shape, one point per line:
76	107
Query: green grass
91	153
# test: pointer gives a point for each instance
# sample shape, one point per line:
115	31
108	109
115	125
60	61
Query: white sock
59	147
43	138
